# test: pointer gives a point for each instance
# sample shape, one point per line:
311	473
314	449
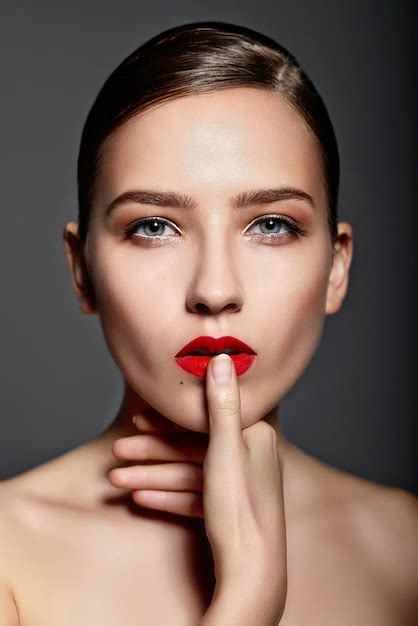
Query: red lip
197	365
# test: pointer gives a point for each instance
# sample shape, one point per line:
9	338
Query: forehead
232	137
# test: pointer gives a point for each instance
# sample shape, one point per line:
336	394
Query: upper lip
215	344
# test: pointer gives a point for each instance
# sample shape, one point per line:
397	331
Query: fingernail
222	368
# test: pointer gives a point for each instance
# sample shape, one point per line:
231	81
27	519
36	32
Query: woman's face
211	269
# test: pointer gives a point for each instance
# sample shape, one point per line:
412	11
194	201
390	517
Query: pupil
154	226
270	224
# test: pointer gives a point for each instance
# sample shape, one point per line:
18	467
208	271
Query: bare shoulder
12	512
381	531
8	544
387	522
8	519
384	517
352	555
354	545
18	496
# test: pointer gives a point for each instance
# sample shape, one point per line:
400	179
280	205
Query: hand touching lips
232	478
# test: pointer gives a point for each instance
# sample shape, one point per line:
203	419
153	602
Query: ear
342	254
80	278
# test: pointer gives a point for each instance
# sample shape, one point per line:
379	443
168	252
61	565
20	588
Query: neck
122	425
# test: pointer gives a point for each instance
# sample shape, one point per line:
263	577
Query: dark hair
195	58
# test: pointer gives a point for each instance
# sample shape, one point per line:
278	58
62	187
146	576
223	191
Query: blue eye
274	231
276	228
155	227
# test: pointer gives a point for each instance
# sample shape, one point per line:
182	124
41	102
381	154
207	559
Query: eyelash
294	231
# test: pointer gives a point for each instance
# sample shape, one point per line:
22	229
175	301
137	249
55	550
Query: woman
208	183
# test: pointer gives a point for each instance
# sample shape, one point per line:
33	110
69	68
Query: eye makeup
292	230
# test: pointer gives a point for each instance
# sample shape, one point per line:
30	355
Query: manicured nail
222	368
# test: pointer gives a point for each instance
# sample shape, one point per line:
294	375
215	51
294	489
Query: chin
188	408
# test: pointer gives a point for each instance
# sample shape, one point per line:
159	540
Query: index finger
224	403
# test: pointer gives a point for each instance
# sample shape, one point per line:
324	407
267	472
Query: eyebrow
177	200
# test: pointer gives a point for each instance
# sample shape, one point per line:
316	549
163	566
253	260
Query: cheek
293	324
136	309
302	321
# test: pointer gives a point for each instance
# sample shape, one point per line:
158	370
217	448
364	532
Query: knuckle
190	476
266	430
260	432
228	406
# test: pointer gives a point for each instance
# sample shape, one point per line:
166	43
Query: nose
215	287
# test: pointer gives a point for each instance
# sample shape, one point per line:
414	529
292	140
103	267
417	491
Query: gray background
355	405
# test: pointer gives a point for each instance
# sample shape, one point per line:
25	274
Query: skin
349	540
208	280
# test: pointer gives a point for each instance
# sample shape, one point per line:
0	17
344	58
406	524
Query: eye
275	227
153	229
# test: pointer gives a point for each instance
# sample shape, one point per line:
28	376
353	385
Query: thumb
224	405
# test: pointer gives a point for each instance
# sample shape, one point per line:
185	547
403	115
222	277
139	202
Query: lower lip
197	365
